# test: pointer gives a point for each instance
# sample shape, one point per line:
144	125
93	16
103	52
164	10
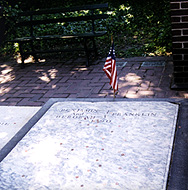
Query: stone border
178	174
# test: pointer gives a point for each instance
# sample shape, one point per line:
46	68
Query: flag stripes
110	68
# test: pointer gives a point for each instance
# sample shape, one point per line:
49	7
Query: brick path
35	84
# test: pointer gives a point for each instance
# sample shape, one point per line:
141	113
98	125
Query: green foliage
139	27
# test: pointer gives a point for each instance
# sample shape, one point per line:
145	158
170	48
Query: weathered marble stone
12	119
96	146
154	63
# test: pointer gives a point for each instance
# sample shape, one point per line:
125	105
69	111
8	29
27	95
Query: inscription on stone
3	123
100	145
105	116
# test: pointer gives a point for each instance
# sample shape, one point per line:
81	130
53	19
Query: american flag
110	68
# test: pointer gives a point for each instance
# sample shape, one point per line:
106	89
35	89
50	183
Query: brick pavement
36	83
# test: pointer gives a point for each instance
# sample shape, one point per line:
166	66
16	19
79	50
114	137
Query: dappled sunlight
134	86
83	69
132	77
30	59
47	76
6	68
4	90
6	78
6	74
52	73
129	81
37	83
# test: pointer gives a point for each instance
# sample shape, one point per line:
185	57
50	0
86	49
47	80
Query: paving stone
29	79
25	95
38	91
26	102
96	90
133	95
146	93
36	97
59	95
48	94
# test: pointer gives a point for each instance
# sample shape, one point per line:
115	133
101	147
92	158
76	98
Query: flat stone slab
12	119
95	145
120	64
154	63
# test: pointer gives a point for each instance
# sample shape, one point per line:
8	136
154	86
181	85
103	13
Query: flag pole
112	43
111	39
110	68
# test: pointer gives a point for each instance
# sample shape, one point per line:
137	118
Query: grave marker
95	145
12	119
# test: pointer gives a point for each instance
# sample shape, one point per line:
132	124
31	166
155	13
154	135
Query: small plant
138	28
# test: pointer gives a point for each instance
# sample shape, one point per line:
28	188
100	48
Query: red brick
160	95
180	63
14	99
64	79
178	69
177	45
60	95
177	57
176	32
175	19
185	44
186	57
93	84
36	97
178	12
72	96
180	51
185	18
179	25
22	95
26	102
38	91
96	96
175	5
186	69
48	94
184	5
185	31
96	90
